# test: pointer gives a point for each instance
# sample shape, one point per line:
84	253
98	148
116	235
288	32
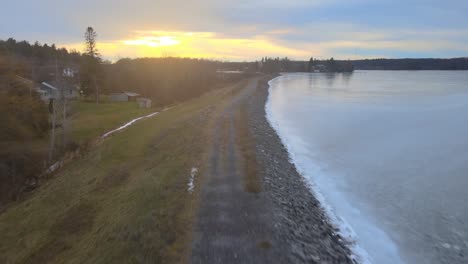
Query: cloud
244	29
339	41
347	40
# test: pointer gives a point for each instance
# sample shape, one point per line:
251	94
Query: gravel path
283	223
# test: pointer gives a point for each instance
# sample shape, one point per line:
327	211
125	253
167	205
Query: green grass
90	120
126	201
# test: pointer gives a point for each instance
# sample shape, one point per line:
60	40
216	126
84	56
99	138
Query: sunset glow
154	41
249	30
207	45
341	42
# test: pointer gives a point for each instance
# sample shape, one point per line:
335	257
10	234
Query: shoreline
299	219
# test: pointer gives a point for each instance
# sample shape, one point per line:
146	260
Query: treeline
23	131
165	80
412	64
330	65
273	65
39	61
269	65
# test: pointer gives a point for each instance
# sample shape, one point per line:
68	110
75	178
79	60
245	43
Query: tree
310	65
90	42
24	122
332	66
91	65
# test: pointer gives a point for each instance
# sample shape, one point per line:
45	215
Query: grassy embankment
90	120
126	201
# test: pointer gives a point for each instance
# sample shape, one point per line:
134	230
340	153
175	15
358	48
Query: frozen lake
387	153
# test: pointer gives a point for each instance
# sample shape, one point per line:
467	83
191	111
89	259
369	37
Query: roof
131	94
229	71
49	86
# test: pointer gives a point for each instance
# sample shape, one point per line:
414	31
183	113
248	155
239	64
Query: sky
246	29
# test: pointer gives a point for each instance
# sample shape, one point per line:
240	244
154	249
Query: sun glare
192	45
160	41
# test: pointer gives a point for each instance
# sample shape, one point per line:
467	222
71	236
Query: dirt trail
254	206
233	223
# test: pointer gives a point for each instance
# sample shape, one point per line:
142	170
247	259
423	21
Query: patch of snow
128	124
54	167
132	121
191	183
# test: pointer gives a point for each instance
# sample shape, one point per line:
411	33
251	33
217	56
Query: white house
49	90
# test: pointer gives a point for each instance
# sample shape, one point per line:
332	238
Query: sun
154	41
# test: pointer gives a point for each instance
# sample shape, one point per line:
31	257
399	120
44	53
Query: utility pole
62	81
32	79
52	137
56	68
58	112
96	87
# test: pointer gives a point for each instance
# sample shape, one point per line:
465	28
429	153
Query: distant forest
412	64
36	61
165	80
286	65
331	65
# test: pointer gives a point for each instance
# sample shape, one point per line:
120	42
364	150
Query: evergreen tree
91	65
311	64
90	43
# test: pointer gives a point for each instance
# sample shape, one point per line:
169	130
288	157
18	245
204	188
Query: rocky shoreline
299	221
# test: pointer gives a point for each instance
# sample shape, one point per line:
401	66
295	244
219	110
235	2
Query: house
225	74
319	68
118	97
124	97
144	102
47	91
132	96
50	90
69	72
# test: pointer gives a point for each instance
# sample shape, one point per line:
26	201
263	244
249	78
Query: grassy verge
126	201
246	143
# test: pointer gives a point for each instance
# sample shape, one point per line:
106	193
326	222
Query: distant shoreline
269	65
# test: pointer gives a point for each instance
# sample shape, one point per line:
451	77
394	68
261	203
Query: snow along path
191	183
131	123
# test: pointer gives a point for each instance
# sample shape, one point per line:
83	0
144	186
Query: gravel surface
283	223
300	222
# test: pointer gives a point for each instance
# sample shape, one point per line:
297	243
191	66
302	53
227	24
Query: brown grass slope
126	201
